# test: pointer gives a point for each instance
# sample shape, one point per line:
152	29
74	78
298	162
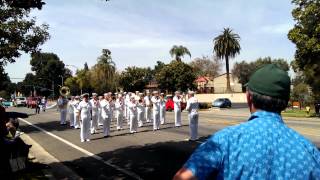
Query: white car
21	101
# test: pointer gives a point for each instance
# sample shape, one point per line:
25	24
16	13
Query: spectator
262	148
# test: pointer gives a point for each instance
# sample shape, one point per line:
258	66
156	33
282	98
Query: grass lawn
298	113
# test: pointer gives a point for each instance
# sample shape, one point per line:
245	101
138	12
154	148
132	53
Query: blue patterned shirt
262	148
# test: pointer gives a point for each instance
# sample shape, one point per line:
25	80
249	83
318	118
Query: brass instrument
64	91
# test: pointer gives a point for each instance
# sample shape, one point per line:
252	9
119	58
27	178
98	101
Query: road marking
129	173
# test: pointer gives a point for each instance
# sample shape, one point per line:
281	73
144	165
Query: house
204	84
218	84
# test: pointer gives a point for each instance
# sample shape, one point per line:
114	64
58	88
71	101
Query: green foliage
206	66
306	36
102	75
176	76
244	70
19	33
134	78
179	51
73	85
227	46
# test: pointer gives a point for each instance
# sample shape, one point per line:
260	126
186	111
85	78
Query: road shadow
151	161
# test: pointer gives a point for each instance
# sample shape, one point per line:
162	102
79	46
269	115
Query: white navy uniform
140	111
71	113
147	112
177	111
119	108
156	112
133	117
62	104
163	111
76	121
192	108
127	101
100	119
85	109
95	115
106	116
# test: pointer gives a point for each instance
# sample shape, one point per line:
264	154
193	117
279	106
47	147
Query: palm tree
226	46
178	52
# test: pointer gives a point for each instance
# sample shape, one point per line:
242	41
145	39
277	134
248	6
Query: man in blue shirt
262	148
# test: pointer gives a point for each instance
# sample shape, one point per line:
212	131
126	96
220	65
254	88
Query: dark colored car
222	103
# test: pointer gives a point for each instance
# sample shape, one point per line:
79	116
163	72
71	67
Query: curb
57	169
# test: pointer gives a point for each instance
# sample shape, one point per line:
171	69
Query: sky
141	32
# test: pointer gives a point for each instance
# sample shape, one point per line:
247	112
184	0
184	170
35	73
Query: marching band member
192	108
156	110
119	108
177	99
140	109
111	104
85	109
62	105
133	115
162	109
147	100
125	105
100	120
75	105
128	110
95	112
106	114
71	112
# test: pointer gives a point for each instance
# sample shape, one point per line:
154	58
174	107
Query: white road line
129	173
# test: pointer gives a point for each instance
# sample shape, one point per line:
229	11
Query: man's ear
249	100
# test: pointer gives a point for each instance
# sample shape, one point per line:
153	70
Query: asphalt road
144	155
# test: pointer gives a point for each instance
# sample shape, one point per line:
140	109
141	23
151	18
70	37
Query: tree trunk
228	75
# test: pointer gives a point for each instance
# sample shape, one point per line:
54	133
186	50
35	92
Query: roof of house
202	79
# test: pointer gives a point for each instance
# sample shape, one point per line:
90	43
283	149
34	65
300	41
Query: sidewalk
56	169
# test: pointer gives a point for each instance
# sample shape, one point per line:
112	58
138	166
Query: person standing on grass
192	108
262	148
85	114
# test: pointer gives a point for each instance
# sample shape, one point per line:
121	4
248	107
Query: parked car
170	104
222	103
6	103
21	101
31	102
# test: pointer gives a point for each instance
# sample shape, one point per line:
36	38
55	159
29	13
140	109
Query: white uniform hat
191	92
94	94
177	92
85	94
105	94
155	92
77	97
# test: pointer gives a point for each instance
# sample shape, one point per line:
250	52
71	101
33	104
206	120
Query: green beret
270	81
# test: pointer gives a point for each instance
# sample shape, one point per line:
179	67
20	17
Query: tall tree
134	78
206	66
227	46
49	69
103	73
176	76
179	51
244	70
306	36
20	33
